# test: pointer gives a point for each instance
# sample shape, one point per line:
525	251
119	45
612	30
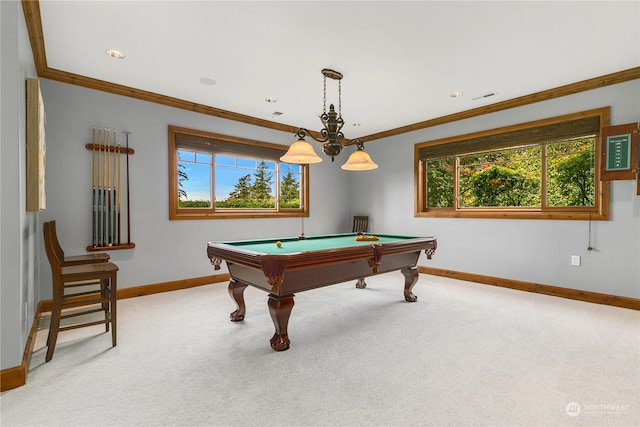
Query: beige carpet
464	354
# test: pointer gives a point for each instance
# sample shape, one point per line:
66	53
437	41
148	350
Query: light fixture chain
324	97
340	98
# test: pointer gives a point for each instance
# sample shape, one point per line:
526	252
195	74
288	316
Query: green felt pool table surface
311	243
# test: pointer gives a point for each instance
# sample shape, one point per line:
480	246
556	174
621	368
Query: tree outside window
232	178
549	177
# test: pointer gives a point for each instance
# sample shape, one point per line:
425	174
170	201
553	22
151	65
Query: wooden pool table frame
284	275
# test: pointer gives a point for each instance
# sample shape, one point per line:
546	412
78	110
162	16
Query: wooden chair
83	294
360	224
74	259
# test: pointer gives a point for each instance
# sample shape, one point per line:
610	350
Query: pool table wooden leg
280	309
360	284
410	279
236	290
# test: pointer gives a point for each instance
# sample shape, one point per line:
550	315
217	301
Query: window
548	169
218	176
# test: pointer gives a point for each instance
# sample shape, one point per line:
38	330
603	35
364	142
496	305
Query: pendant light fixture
359	160
301	152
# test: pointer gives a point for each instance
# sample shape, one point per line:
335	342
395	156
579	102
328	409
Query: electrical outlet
575	260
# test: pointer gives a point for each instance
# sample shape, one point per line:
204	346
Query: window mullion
277	188
456	183
213	182
543	177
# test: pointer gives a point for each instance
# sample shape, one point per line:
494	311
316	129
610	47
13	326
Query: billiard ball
278	243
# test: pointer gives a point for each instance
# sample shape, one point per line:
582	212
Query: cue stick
104	189
94	217
108	202
109	191
113	188
118	174
107	178
128	206
99	207
114	179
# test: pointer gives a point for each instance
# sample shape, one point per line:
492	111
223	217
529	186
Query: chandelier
301	152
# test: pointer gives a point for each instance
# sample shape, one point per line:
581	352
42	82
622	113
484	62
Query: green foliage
501	186
289	191
194	204
247	194
243	204
262	184
512	178
256	195
182	176
290	204
571	181
242	189
440	183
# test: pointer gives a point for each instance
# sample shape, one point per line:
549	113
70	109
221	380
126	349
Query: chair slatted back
360	224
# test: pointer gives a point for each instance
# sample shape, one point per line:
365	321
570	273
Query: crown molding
34	26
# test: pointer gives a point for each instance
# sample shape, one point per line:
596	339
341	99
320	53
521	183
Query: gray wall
19	240
533	251
537	251
165	250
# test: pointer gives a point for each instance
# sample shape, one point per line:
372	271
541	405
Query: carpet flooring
463	355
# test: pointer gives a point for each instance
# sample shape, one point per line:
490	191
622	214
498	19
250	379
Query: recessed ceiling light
115	54
271	99
207	81
456	94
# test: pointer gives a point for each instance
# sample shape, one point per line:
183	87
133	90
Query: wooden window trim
176	213
598	212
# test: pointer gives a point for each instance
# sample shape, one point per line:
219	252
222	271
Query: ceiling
400	60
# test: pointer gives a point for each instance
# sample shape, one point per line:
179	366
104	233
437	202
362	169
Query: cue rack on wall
109	192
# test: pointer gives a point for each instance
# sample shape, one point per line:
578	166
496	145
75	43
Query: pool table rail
219	251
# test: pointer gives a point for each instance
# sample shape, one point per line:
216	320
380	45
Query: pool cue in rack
106	220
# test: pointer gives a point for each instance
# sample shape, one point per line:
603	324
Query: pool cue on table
128	199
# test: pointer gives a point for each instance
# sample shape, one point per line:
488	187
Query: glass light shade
300	153
359	161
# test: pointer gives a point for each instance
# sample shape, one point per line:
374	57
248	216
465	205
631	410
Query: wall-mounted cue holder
110	212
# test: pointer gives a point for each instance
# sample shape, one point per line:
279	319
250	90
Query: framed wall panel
619	152
36	148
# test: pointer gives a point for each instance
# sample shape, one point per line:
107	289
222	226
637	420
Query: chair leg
54	327
105	293
114	298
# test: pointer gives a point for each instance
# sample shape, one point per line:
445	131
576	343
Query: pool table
283	267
